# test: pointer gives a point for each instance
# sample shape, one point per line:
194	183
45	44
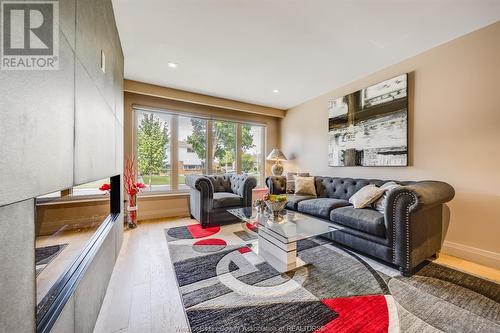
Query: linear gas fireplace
70	227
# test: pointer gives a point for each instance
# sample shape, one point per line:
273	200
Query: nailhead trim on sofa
407	231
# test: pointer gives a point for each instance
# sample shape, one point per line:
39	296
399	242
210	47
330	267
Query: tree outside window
152	146
252	155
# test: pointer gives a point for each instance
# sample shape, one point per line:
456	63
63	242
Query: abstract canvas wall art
369	127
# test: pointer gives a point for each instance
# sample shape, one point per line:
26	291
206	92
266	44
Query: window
252	151
224	147
170	146
153	150
191	147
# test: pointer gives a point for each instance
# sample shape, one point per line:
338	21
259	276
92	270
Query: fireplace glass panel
64	225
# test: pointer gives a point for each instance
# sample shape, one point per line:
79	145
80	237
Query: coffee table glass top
290	227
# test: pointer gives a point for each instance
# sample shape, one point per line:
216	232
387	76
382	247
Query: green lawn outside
156	180
161	180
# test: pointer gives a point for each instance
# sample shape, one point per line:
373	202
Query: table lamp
277	156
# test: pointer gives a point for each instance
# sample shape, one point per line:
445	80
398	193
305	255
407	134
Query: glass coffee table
277	239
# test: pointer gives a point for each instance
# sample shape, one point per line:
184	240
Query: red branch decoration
132	188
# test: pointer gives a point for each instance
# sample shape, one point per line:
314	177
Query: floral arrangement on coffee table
132	188
275	203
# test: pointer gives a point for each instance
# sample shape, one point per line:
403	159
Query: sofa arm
200	183
430	193
413	218
276	184
418	196
200	198
243	185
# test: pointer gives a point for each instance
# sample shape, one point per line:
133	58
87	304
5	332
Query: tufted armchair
405	234
212	195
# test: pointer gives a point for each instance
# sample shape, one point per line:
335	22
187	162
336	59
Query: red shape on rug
244	249
357	314
253	226
211	241
198	232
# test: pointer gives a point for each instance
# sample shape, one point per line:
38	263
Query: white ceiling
244	49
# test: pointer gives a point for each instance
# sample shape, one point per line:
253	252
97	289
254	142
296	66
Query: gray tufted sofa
211	196
408	232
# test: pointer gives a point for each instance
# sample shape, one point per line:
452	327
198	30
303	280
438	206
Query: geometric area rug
227	287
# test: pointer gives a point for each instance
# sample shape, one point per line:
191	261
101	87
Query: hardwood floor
142	295
472	268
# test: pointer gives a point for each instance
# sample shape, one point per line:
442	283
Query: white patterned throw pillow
365	196
381	202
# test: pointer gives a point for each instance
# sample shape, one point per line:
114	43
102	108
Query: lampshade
276	154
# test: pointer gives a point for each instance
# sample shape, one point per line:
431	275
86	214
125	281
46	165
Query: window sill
149	195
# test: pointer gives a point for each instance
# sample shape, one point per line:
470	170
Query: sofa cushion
237	184
294	199
226	199
320	207
366	220
221	183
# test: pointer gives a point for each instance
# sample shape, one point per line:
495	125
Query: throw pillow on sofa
305	186
290	180
366	196
381	202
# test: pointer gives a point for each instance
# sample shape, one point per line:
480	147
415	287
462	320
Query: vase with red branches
132	188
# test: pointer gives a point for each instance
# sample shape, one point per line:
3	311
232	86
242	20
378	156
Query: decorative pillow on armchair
366	196
290	180
305	186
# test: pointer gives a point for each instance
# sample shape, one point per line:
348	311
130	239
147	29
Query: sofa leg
435	255
192	216
405	272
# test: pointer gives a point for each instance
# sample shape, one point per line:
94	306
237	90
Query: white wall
454	135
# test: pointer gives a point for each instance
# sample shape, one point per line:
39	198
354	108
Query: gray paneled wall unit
59	129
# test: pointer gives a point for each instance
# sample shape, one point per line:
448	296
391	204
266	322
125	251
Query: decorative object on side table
132	189
277	156
275	204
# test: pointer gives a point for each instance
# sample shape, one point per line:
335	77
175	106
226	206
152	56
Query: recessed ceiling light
276	91
171	64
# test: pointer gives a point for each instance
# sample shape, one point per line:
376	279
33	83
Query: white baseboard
483	257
